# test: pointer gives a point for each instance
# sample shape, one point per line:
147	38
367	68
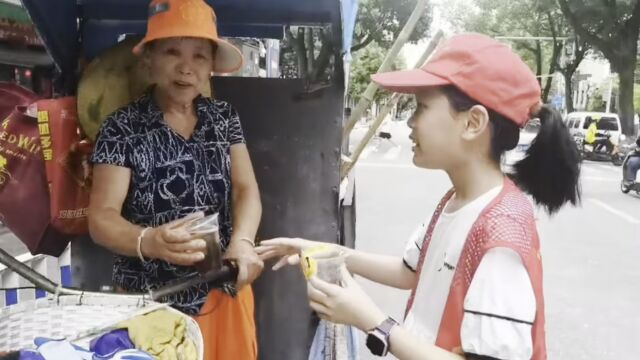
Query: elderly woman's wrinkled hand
249	263
174	244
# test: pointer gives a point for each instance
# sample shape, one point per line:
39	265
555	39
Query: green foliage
612	27
379	23
365	64
523	18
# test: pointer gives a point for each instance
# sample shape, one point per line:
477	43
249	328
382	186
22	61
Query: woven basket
78	318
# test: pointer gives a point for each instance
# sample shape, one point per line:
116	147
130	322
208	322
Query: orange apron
228	326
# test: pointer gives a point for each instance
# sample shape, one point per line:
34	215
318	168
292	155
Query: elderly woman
173	156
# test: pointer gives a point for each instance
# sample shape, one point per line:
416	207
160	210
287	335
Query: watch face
376	345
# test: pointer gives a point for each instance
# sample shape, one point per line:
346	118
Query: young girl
475	271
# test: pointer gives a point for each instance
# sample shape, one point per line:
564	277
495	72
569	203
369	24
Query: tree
611	26
525	18
568	66
365	64
636	98
555	26
307	52
300	57
381	21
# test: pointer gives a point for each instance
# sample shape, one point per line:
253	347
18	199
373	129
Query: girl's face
438	132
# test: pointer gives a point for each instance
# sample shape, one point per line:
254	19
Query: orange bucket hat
189	18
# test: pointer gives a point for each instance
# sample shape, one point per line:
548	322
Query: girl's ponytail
550	172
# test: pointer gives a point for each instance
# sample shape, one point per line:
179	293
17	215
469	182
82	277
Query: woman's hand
348	304
249	263
172	243
287	249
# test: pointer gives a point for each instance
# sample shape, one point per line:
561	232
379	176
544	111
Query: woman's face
181	67
435	131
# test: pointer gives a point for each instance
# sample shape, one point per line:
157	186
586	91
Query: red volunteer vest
508	221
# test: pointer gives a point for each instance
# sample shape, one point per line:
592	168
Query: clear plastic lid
205	225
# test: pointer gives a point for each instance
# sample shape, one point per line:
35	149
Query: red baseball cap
481	67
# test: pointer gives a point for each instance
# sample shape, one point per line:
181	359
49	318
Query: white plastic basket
78	318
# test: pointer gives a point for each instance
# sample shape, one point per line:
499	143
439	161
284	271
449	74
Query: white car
527	135
578	123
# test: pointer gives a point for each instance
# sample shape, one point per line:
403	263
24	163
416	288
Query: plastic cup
324	262
207	229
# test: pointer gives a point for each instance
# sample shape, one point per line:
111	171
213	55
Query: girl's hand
348	304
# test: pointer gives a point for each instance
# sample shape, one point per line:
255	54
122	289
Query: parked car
578	123
527	134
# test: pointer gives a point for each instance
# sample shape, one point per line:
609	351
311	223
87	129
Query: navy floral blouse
171	177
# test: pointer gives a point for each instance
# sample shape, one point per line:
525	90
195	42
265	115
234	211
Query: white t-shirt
500	304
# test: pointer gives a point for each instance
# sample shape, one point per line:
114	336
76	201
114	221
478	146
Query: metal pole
367	96
228	272
348	165
28	273
430	49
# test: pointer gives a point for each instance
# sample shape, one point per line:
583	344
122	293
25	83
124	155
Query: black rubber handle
215	278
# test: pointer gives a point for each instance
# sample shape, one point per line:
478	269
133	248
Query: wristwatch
378	338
